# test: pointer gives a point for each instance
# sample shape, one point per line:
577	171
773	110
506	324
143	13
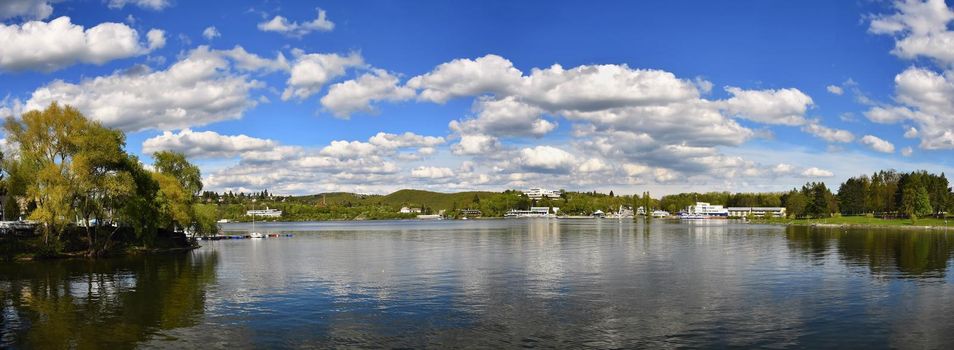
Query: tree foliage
71	174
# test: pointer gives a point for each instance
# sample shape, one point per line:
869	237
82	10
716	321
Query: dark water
499	284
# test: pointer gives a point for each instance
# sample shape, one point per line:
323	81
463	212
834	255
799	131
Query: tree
853	195
795	203
176	165
47	141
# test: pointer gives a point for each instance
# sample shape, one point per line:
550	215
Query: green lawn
863	220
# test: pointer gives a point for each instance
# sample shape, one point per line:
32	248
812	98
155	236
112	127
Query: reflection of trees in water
112	303
883	251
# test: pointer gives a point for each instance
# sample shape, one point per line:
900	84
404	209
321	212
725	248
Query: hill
436	200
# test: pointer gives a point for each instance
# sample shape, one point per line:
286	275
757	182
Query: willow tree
47	142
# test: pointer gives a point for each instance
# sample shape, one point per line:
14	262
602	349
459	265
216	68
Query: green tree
795	203
176	165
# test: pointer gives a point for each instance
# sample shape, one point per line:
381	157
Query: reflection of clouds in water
575	283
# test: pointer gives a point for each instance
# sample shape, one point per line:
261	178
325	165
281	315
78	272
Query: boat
255	234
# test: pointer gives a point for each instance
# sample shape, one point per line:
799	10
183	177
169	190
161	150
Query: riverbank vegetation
72	177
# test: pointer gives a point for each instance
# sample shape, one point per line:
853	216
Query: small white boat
256	235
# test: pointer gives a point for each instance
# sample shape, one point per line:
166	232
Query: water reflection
112	303
500	284
902	253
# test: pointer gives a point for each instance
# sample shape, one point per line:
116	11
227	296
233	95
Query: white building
406	210
706	209
739	212
537	193
534	212
269	213
660	214
641	211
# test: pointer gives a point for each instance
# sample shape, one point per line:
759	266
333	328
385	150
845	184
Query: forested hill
434	199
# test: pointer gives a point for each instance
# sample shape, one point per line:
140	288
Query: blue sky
665	96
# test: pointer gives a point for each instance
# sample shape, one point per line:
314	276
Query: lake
499	284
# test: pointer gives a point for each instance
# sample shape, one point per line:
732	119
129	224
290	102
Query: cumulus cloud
430	172
466	77
350	165
250	62
782	106
146	4
618	112
546	159
206	144
816	172
198	90
911	133
907	151
49	46
928	101
505	117
279	24
877	144
835	89
26	9
920	28
828	134
346	98
311	72
211	33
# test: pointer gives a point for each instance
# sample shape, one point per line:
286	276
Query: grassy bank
863	221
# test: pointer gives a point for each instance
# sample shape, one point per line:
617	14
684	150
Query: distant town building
740	212
470	213
538	193
269	213
706	209
406	210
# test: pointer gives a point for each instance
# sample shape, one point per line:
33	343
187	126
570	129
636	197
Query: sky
302	97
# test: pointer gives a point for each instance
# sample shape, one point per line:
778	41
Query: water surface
499	283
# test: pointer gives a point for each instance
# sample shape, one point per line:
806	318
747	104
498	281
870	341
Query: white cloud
466	77
282	25
928	99
205	144
49	46
782	106
835	89
146	4
198	90
311	72
546	159
405	140
504	117
26	9
593	165
346	98
907	151
911	133
211	33
475	144
249	62
877	144
828	134
920	29
429	172
816	172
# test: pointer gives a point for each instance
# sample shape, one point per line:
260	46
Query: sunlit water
499	283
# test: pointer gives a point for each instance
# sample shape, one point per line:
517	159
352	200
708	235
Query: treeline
886	194
73	177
